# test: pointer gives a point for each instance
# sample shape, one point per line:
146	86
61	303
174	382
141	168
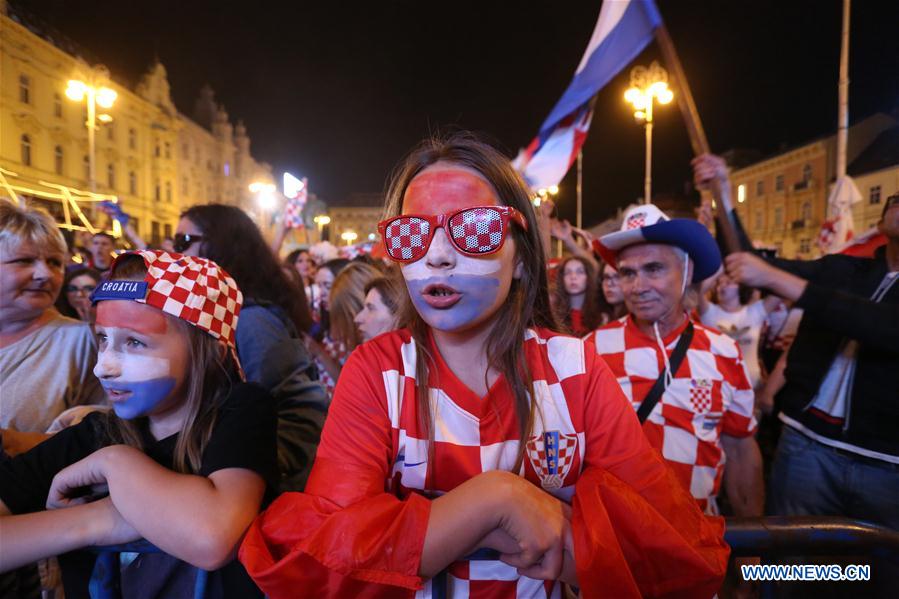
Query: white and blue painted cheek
479	295
146	381
479	280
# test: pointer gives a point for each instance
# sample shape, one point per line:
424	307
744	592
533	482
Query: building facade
156	160
782	200
359	213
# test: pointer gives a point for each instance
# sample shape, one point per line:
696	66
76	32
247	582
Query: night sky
339	91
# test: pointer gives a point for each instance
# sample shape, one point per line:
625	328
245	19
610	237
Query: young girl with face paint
478	453
183	460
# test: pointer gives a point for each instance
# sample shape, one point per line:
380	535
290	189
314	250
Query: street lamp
95	93
648	84
545	193
320	221
265	197
349	237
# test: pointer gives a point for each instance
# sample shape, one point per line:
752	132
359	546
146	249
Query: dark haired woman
75	299
476	427
576	296
269	337
303	263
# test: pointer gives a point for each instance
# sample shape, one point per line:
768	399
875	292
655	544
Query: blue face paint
478	293
142	396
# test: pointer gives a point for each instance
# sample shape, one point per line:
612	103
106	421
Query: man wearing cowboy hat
699	402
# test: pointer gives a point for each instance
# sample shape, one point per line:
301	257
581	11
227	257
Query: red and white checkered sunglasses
476	231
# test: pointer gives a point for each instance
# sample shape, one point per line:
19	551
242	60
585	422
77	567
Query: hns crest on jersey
551	454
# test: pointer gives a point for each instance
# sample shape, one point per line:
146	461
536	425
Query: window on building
760	188
24	89
132	183
874	194
227	169
805	246
806	211
132	138
778	217
168	191
156	151
26	150
110	131
110	176
157	193
757	225
807	173
57	159
87	167
779	183
154	233
167	230
57	106
168	150
135	224
741	193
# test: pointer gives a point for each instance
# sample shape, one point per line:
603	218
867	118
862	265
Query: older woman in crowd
46	359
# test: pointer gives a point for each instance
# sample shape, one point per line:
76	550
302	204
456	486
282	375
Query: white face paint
453	292
140	362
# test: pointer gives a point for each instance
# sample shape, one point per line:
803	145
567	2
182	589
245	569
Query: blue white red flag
623	29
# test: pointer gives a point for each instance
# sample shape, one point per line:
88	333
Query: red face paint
443	187
127	314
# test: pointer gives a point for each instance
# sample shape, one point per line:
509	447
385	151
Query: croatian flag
623	29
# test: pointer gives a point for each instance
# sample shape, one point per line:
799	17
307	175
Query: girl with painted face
454	448
576	296
183	460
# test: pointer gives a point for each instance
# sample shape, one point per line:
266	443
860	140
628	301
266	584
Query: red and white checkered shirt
710	395
474	435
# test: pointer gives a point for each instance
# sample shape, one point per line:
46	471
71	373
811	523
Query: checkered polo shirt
710	395
474	435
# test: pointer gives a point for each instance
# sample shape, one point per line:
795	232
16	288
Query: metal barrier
782	536
768	537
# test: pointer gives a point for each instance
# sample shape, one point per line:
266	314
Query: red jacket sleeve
345	535
637	531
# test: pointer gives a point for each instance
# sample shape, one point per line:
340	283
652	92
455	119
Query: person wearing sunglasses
75	299
270	335
453	448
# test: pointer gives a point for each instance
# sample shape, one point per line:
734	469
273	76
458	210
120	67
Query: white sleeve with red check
710	395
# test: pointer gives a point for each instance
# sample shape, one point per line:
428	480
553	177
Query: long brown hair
346	300
528	301
590	313
209	378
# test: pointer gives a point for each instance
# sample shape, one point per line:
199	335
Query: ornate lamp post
648	84
94	92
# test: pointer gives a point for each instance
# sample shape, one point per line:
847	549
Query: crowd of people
464	417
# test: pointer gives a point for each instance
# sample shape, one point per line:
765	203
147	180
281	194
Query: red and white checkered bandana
190	288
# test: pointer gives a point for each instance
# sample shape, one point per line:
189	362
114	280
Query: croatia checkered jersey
709	396
358	530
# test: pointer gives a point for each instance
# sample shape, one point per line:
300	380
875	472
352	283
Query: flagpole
700	144
580	188
843	117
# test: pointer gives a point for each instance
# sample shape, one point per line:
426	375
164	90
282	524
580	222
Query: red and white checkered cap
190	288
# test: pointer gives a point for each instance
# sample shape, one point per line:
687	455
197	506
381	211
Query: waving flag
296	191
623	29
